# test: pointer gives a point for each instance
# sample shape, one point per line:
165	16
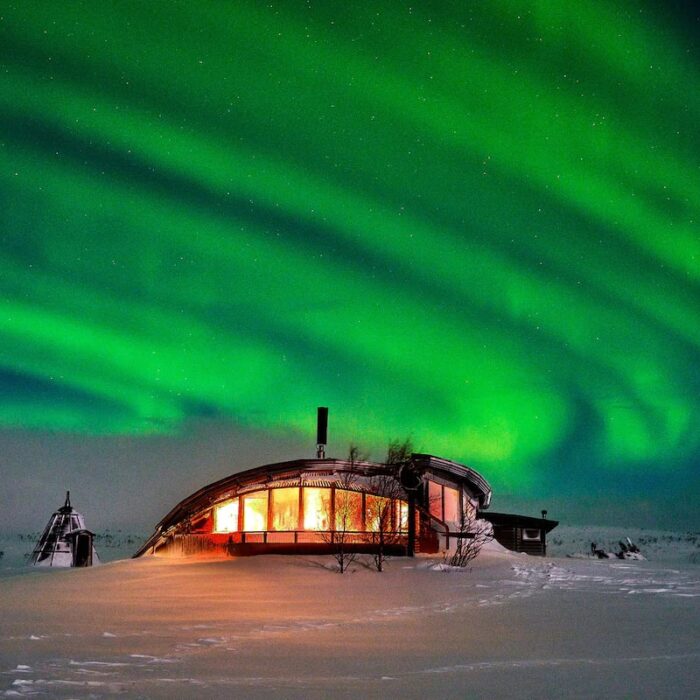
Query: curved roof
314	471
439	464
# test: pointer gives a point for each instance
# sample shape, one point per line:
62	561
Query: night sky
474	224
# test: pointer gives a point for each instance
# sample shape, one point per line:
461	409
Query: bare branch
473	534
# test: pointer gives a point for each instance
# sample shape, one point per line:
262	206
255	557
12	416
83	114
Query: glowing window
435	499
317	509
348	510
226	517
378	515
255	511
452	511
402	515
285	509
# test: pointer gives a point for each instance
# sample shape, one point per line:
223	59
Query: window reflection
435	499
452	510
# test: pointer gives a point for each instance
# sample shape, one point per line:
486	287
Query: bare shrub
386	491
341	531
473	533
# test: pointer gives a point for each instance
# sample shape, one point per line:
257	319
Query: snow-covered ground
273	626
655	545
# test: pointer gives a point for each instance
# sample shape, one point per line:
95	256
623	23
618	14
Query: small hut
65	540
521	533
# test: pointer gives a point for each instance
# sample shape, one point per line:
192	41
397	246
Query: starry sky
476	225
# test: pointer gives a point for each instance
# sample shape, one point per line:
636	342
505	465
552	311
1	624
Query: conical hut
65	540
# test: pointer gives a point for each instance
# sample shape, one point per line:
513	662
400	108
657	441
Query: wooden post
331	508
301	508
270	519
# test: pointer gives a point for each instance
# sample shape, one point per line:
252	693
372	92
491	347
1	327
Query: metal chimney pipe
321	431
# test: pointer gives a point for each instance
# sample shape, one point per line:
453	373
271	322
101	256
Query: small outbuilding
521	533
65	541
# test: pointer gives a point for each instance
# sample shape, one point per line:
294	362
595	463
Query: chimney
321	431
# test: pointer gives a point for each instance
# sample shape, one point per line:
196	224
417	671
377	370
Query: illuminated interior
226	517
285	509
378	516
348	511
318	505
402	516
255	511
317	509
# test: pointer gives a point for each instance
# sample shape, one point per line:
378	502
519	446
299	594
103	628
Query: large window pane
452	511
402	516
285	509
255	511
348	510
317	509
435	499
378	515
226	517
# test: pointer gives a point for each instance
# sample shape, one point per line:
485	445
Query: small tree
386	490
399	454
473	534
340	535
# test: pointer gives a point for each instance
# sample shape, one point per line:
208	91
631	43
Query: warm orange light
402	515
285	508
255	511
317	508
226	517
348	510
378	514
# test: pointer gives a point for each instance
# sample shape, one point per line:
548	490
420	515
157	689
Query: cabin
421	503
312	505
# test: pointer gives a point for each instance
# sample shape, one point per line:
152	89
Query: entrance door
82	554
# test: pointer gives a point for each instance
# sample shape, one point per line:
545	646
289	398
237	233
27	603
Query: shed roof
514	520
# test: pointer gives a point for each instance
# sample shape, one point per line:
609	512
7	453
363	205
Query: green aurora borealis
473	223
